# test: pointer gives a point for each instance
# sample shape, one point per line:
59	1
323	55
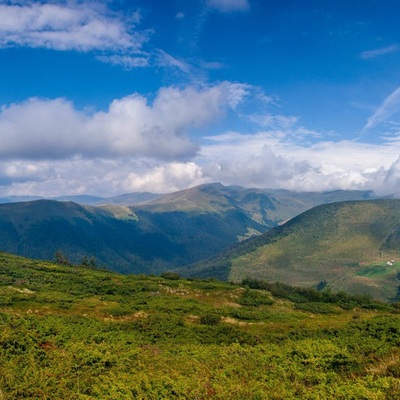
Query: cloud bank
264	159
257	160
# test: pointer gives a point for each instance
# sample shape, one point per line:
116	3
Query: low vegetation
349	246
74	332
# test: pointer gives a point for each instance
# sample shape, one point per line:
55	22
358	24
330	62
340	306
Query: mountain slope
168	232
123	238
347	245
266	207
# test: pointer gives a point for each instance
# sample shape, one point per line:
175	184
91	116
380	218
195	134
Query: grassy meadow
79	333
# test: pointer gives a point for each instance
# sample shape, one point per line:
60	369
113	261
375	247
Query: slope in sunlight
351	246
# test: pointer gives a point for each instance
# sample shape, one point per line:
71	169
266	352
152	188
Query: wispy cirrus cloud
166	60
228	5
68	26
389	107
127	62
75	26
380	52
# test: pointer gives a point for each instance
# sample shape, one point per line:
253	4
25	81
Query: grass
379	270
324	244
77	333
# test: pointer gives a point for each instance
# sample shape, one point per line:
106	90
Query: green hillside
78	333
168	232
351	246
122	238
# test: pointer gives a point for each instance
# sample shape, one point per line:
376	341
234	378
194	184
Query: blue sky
159	95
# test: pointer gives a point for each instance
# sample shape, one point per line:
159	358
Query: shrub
170	275
210	319
317	308
253	298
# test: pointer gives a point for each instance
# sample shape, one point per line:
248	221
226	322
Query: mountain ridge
348	245
171	231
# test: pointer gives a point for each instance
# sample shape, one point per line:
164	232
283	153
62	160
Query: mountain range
162	233
123	199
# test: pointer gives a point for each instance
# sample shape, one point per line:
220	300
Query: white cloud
81	26
49	129
16	172
389	107
210	65
389	180
264	160
274	121
127	62
228	5
237	93
166	60
40	129
268	160
101	177
380	52
48	147
165	178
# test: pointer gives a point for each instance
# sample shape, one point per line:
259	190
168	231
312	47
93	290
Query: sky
117	96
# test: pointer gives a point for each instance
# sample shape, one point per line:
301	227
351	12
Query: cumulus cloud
17	172
389	180
228	5
389	107
262	169
102	177
132	126
166	178
49	147
268	160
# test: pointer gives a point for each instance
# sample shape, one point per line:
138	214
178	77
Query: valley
166	232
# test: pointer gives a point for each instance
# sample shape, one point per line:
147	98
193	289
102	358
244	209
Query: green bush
317	308
210	319
254	298
173	276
